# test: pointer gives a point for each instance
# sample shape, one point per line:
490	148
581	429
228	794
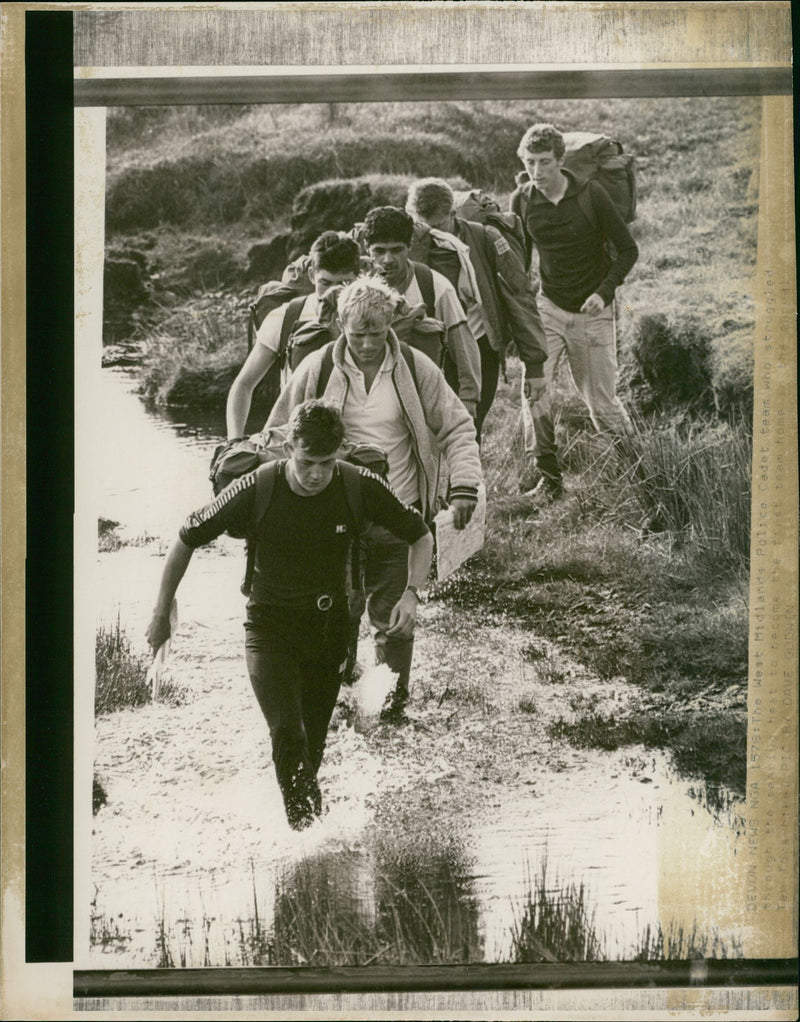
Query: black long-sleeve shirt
573	255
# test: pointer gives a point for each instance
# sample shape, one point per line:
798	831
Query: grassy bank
640	572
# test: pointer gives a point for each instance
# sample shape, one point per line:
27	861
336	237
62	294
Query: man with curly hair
572	226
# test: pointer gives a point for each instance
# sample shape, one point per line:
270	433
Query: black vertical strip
50	486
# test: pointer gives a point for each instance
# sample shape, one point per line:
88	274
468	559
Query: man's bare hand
158	631
462	511
593	305
535	389
403	616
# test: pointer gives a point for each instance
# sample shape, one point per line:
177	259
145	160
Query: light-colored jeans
589	344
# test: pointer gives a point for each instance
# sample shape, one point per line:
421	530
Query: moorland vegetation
641	572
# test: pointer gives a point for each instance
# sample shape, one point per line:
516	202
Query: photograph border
778	584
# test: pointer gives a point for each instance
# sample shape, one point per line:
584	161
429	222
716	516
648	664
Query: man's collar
386	365
572	187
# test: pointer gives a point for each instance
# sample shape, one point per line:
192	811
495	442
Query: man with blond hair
395	398
570	224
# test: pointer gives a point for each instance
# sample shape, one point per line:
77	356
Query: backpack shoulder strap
351	481
265	487
408	355
586	204
325	368
290	318
426	289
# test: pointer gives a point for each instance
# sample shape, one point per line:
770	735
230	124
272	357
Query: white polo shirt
377	418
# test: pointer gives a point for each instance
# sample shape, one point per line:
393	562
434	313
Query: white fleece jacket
439	424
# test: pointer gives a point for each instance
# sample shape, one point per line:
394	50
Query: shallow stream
436	834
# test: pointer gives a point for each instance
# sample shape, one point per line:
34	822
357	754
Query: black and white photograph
414	521
578	686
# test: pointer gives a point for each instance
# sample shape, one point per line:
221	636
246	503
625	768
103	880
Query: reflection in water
404	901
425	898
556	924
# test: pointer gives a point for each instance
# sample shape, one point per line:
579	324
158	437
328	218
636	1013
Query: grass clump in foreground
121	673
555	925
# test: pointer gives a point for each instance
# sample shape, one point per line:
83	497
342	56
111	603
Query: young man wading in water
297	614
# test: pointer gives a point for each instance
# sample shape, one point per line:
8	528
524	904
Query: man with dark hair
297	626
401	403
508	305
387	233
333	259
571	224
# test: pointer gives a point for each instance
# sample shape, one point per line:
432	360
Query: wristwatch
415	591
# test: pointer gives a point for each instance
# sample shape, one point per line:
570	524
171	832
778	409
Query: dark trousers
490	376
294	658
384	576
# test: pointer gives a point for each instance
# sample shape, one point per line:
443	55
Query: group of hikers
332	534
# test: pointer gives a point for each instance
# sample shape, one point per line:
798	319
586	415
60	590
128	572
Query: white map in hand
454	547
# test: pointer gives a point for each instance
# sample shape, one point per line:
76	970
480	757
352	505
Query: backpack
428	334
311	334
235	458
271	296
266	476
479	207
599	158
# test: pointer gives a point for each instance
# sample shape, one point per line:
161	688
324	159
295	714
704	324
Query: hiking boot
394	711
546	490
394	714
529	478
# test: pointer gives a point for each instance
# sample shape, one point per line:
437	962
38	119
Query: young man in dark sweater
297	626
570	223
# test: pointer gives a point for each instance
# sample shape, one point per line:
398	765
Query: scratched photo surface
570	783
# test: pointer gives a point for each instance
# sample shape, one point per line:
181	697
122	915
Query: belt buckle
324	602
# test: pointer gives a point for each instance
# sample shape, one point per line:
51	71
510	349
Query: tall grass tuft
194	355
556	925
121	673
688	478
679	944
